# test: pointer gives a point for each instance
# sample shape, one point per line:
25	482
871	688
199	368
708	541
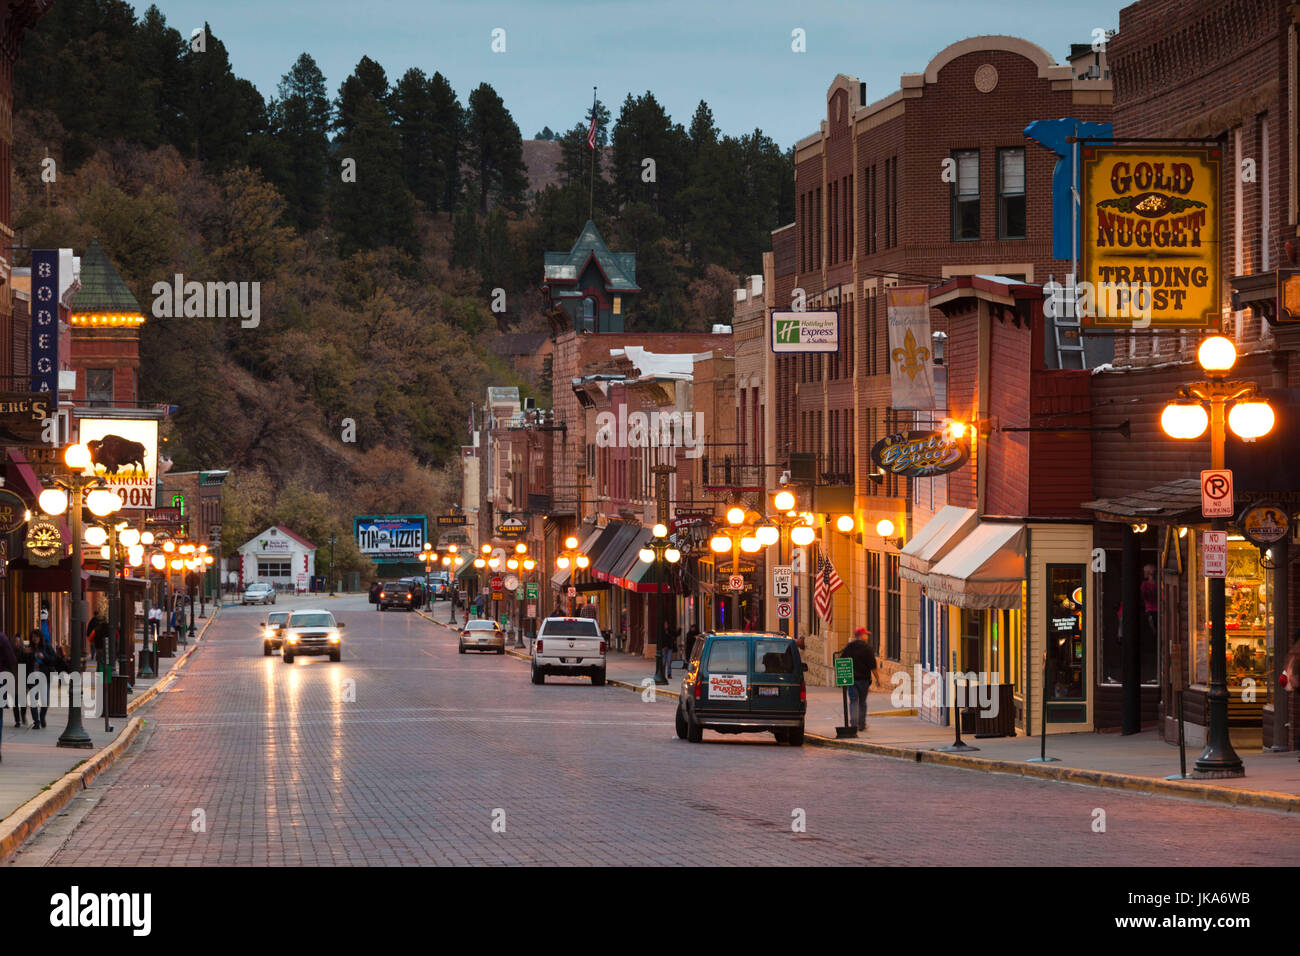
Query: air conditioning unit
803	467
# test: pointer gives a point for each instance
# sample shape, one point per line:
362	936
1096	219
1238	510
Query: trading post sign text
1151	235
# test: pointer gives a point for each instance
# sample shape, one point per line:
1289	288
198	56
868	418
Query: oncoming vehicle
569	645
259	592
396	594
740	682
482	636
312	631
272	631
440	586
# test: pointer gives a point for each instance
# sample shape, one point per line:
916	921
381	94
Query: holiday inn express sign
806	331
1151	236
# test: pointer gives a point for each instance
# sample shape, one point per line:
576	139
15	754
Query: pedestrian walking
375	588
22	668
155	621
8	665
45	661
859	651
667	640
688	643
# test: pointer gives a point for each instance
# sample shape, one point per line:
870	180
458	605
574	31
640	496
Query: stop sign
496	582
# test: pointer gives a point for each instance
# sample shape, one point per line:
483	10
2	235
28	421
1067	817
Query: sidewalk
34	765
1139	762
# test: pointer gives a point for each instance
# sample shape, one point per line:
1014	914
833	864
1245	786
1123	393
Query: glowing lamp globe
885	528
570	543
494	562
77	457
582	561
767	535
750	544
146	538
486	549
672	555
783	501
521	548
646	555
512	564
735	516
158	562
129	537
844	523
802	535
1184	420
103	502
479	563
53	501
529	564
1217	354
659	531
561	562
96	536
105	551
1251	420
720	543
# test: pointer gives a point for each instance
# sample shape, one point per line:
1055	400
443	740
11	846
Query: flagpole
591	194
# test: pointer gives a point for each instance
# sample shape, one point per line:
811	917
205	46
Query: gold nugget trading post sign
1151	233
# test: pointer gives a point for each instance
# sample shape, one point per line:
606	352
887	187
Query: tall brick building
874	209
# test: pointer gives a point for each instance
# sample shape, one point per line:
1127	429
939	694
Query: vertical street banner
45	321
911	373
1151	234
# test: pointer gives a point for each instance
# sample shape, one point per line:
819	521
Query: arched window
588	312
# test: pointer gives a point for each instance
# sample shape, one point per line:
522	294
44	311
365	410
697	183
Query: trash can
115	692
152	658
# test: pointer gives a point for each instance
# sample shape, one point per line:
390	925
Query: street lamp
54	501
333	541
572	560
658	550
1186	418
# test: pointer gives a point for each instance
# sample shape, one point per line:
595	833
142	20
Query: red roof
297	537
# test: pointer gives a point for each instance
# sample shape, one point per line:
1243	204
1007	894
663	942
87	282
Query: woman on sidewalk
22	667
44	661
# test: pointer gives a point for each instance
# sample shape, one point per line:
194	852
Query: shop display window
1066	650
1248	623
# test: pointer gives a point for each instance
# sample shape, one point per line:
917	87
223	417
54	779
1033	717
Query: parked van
741	682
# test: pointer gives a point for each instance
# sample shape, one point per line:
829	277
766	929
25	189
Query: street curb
1256	799
174	671
17	828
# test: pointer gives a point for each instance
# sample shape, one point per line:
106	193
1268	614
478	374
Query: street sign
498	595
1214	554
784	610
512	528
736	582
451	521
504	621
496	582
531	588
782	582
532	610
573	592
1216	493
843	672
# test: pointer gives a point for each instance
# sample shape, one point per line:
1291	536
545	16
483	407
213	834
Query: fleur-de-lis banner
911	369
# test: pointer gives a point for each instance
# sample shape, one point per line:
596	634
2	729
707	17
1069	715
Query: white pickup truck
569	645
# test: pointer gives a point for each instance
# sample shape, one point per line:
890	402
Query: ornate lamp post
1186	418
572	560
658	550
786	523
71	489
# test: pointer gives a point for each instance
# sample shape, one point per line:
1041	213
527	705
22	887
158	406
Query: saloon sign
1151	237
919	454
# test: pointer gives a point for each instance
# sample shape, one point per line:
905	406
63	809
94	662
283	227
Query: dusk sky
735	55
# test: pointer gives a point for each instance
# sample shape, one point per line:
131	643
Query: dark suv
741	682
396	594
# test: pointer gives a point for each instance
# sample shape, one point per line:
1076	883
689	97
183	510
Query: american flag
828	582
591	133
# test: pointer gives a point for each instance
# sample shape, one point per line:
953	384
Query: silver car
258	592
482	636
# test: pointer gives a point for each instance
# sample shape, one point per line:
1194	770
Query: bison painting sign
124	451
1151	237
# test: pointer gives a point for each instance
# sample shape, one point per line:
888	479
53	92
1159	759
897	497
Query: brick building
931	182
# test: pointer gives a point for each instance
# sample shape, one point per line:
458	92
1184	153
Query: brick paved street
288	772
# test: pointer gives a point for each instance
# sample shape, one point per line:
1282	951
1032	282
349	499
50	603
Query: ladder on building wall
1068	333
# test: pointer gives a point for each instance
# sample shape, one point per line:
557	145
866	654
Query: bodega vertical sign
45	322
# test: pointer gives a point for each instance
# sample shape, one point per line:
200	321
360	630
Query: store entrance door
972	641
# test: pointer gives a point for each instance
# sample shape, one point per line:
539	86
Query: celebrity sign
919	454
1151	237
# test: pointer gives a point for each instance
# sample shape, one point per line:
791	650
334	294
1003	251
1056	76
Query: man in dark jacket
859	651
375	588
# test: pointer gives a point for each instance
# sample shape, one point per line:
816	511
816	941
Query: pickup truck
569	645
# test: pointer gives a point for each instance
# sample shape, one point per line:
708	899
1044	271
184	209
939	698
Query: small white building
278	557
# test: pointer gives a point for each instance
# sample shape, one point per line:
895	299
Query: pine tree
301	121
466	240
221	108
495	152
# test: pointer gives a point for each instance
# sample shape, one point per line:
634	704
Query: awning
937	537
633	574
54	578
1169	502
602	568
599	540
985	570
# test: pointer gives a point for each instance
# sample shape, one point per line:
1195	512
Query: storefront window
1111	622
1065	632
1248	623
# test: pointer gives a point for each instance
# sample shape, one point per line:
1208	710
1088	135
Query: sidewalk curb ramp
21	825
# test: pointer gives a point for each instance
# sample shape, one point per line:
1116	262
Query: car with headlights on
482	636
312	631
272	631
259	592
